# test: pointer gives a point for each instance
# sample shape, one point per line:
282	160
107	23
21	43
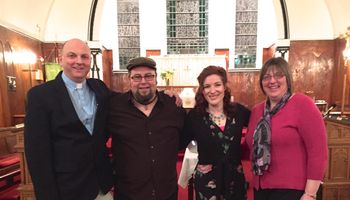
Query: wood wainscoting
9	159
337	181
25	189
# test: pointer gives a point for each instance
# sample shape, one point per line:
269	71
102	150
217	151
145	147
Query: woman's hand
307	196
178	100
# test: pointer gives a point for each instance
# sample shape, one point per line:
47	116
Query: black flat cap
141	61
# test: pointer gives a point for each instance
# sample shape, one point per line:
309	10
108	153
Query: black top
145	148
220	149
210	148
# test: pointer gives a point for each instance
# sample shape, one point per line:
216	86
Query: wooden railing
25	189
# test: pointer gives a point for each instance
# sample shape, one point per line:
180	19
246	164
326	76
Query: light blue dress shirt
84	101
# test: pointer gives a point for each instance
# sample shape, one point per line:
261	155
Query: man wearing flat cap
146	126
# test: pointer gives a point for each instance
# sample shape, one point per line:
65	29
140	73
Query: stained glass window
187	26
246	33
128	31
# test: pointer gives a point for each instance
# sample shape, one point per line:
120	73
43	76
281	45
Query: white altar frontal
186	67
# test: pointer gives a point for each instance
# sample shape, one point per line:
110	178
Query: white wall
152	25
267	28
221	26
108	28
68	19
309	20
26	16
339	12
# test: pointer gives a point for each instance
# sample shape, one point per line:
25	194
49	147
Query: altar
185	67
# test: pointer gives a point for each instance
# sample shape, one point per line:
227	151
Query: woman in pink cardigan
287	139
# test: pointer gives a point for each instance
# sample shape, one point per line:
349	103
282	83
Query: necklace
218	119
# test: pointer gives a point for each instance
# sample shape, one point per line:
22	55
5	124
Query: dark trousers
277	194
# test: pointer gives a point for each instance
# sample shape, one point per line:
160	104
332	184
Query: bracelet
310	195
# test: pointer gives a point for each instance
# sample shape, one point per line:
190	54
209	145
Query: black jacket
64	160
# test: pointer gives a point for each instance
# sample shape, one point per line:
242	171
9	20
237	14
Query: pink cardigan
298	144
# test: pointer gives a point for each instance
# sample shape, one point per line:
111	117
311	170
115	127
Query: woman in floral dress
216	125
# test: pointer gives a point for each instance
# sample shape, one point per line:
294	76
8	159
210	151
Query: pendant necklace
217	119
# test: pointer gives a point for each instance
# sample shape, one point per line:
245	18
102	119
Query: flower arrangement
167	75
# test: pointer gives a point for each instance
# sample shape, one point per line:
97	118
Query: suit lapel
95	90
99	99
66	103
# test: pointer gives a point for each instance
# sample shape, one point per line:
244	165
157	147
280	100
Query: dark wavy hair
201	103
280	64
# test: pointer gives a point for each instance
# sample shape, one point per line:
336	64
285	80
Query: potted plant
167	75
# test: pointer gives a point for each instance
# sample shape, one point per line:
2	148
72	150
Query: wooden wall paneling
6	108
337	83
337	179
339	159
16	96
25	80
268	53
13	100
3	88
120	82
155	52
338	77
244	86
312	65
25	189
348	73
344	193
51	52
107	65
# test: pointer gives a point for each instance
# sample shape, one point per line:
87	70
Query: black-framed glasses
147	77
276	76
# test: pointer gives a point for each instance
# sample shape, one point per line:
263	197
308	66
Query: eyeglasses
147	77
276	76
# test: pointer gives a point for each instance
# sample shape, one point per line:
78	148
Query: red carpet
183	194
8	188
10	193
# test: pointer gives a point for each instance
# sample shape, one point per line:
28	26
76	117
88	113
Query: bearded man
146	127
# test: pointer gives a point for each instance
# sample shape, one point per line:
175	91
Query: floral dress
219	173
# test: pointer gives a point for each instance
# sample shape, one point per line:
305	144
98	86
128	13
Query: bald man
64	139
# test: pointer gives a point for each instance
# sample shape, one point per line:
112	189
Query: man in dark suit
64	139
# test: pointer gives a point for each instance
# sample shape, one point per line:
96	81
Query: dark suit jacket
64	160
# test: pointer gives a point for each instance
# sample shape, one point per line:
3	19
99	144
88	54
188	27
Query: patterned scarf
262	137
